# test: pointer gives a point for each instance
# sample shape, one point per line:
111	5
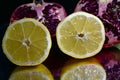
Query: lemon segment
89	69
80	35
26	42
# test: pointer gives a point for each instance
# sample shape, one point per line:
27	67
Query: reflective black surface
6	9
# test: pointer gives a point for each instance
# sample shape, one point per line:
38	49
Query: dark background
6	9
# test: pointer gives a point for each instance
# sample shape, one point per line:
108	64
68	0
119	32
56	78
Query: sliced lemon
88	69
26	42
80	35
39	72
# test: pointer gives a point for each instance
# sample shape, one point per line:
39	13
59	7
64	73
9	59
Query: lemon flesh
26	42
89	69
80	35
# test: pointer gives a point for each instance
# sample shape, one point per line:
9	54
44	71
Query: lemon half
26	42
80	35
86	69
39	72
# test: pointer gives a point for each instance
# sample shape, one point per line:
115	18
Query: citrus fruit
39	72
80	35
26	42
86	69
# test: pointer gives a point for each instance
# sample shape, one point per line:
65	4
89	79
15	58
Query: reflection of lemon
88	69
39	72
26	42
80	35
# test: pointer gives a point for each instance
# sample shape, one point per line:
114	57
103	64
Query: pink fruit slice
110	59
109	12
49	13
